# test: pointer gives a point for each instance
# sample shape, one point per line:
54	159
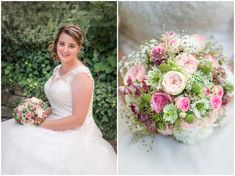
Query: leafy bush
29	27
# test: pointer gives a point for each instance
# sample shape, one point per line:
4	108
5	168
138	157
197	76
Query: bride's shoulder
83	70
56	69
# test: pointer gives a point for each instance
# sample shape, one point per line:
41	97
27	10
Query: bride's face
67	48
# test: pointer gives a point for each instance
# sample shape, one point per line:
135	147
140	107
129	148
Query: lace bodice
59	93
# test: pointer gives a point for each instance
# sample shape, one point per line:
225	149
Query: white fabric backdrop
143	20
214	156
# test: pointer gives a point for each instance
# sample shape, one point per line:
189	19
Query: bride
68	141
140	21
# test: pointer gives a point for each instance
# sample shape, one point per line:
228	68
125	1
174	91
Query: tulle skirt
35	150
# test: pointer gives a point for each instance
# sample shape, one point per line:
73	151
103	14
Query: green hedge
29	27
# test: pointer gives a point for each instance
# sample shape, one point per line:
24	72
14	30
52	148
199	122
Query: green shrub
29	27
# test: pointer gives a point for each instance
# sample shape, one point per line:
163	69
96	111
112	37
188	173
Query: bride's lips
64	55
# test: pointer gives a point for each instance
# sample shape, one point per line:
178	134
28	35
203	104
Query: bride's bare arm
82	88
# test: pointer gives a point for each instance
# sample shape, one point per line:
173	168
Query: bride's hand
48	111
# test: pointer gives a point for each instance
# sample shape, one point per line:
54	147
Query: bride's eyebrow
61	41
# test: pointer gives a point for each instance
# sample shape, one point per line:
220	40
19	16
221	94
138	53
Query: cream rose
173	82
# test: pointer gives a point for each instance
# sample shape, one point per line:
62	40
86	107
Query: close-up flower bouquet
176	85
31	111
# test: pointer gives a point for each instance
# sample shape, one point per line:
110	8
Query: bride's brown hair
73	31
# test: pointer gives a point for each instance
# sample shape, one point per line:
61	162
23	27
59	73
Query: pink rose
156	53
201	41
137	72
19	113
183	103
216	102
159	101
29	115
188	62
173	82
212	60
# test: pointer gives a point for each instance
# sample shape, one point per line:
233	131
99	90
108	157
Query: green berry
196	88
206	69
189	118
163	67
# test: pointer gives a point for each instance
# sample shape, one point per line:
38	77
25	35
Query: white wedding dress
35	150
140	21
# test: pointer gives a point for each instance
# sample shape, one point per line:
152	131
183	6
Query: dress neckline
59	66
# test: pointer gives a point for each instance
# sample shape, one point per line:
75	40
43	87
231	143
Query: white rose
39	112
20	108
36	100
173	82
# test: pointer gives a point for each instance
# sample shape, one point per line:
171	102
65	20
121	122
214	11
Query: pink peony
137	72
157	53
216	102
183	103
173	82
212	60
159	101
188	62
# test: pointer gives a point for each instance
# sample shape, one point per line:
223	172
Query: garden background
27	30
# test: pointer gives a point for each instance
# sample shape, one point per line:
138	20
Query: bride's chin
65	59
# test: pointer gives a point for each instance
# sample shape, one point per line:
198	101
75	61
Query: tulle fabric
35	150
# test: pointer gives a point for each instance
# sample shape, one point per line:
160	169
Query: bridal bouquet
177	85
31	111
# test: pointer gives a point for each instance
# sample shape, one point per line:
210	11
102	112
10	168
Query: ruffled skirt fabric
35	150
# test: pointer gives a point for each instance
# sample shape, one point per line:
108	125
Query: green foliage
144	102
160	122
228	87
29	27
105	107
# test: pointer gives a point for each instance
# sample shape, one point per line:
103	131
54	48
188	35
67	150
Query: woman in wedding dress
140	21
68	141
